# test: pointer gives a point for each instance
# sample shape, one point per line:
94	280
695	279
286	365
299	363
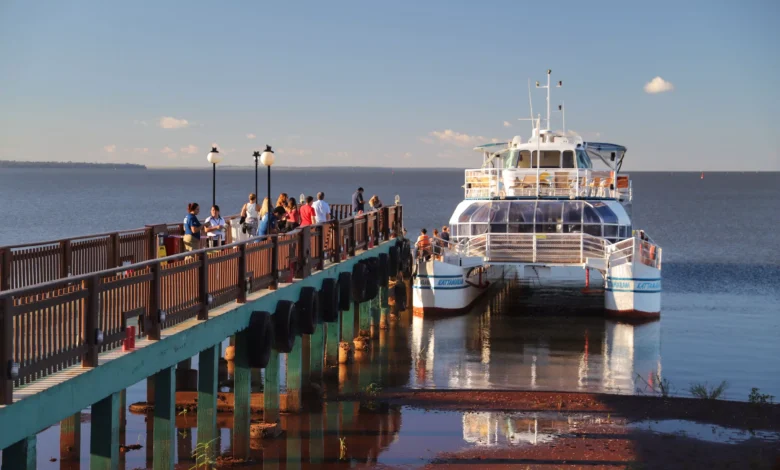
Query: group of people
260	219
427	247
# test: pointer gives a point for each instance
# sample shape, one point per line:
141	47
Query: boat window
524	159
550	159
520	228
594	230
606	214
583	160
568	159
610	231
482	214
498	212
520	211
572	211
549	217
510	159
478	229
465	216
590	216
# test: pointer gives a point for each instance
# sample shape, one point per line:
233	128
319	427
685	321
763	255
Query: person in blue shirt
269	220
192	227
357	202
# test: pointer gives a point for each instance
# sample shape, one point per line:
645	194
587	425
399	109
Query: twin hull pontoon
537	212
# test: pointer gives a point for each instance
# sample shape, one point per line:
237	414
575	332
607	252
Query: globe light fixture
214	157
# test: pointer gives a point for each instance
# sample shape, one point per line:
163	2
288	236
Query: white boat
540	213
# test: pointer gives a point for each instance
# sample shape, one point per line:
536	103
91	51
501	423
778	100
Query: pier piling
242	396
164	418
208	361
104	434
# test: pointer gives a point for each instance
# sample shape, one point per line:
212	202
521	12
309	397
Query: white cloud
140	123
168	122
169	152
407	155
507	124
142	150
190	149
448	136
658	85
110	148
250	136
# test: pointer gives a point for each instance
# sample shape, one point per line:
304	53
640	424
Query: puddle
703	432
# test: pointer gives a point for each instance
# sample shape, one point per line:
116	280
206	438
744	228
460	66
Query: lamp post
256	156
214	157
267	159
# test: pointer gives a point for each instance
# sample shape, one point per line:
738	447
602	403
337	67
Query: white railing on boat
546	182
548	248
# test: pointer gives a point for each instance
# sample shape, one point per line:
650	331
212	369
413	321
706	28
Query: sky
683	85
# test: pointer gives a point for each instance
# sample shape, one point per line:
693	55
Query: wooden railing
60	322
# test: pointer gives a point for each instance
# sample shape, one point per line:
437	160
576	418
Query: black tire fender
359	281
384	272
329	300
285	325
399	292
261	334
372	279
308	310
394	261
345	291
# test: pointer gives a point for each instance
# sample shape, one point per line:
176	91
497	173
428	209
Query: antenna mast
531	105
548	98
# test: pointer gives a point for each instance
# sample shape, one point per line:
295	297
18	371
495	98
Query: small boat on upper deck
539	212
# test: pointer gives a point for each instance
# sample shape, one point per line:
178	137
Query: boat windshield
583	160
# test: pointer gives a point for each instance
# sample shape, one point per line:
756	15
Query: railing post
366	228
242	274
5	269
321	247
151	243
274	262
305	252
385	224
90	323
155	303
203	274
66	260
115	251
352	236
6	350
375	227
336	227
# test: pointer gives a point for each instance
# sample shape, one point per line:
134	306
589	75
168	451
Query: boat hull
444	289
633	290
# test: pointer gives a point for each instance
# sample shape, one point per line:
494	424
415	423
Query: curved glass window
522	212
605	213
590	216
465	216
583	160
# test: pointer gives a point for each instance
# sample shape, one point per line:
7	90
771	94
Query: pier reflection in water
515	340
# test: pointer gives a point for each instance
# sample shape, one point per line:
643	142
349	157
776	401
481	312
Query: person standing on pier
215	228
269	221
192	227
358	205
321	209
250	215
293	215
307	212
375	203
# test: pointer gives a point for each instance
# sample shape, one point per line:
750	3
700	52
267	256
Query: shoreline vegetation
78	165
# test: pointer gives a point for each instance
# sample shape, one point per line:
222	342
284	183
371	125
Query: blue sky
370	84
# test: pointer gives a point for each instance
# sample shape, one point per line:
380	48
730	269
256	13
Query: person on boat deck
436	244
445	235
269	221
192	227
307	212
423	244
321	209
357	201
215	227
249	215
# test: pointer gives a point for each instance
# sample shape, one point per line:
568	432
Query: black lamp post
256	156
214	157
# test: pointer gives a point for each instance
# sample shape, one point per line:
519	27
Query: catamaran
542	212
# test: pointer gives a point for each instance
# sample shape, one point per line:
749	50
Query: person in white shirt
215	227
321	209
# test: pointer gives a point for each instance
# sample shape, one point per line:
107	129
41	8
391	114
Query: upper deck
549	165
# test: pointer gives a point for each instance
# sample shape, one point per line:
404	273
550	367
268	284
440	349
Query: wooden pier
65	308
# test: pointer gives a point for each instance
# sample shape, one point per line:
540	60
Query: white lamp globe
267	158
214	156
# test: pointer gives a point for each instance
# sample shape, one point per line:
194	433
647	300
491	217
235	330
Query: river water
720	318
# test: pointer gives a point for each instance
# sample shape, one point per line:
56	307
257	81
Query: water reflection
513	341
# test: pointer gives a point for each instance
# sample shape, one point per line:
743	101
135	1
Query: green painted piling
208	363
305	360
316	439
375	309
294	372
317	354
348	323
21	455
365	319
104	434
70	438
164	418
242	388
332	338
271	389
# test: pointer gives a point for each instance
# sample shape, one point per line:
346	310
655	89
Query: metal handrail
491	183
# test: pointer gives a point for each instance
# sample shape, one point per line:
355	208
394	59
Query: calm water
720	318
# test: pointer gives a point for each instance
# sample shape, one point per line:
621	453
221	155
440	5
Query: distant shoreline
64	165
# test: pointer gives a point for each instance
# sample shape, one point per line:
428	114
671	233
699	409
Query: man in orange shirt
307	212
423	244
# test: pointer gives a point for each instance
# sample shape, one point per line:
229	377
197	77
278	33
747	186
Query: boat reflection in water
515	341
